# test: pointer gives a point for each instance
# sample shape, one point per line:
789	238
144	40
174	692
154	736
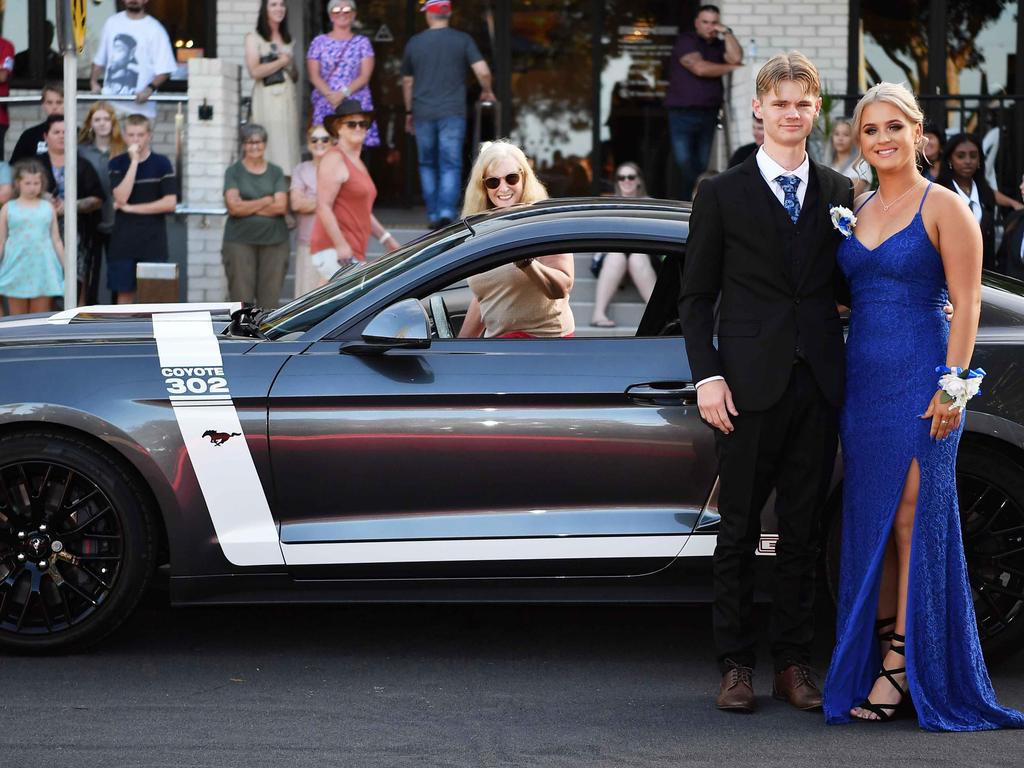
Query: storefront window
637	43
189	23
551	44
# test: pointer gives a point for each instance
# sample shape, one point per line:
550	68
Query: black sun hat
347	108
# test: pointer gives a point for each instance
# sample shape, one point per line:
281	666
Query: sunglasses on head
493	182
627	177
364	124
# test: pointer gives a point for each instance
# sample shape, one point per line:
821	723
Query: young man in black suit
762	245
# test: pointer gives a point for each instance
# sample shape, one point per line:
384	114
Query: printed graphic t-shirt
133	52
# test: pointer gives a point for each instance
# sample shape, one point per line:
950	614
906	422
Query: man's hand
143	96
134	152
94	86
488	96
410	126
714	400
721	29
948	309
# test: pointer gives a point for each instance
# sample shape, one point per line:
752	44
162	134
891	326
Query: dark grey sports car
349	447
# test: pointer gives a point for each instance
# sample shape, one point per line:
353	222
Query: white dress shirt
973	200
771	170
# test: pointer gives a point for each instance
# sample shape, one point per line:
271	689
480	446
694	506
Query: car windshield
349	284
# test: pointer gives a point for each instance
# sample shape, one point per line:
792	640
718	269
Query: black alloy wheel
76	543
991	493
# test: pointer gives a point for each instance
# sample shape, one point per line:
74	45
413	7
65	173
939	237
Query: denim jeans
692	132
439	145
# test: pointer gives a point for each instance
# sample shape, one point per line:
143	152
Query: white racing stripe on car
462	550
113	310
214	440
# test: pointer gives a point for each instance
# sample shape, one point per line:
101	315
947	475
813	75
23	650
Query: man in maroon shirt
699	60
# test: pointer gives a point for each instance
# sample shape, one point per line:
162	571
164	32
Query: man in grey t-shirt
434	86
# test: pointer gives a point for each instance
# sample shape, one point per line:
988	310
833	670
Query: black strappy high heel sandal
887	712
889	627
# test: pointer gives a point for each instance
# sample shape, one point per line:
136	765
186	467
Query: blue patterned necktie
792	202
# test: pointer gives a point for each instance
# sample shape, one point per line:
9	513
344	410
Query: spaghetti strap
865	202
925	195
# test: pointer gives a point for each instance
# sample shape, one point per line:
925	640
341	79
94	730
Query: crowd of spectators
125	190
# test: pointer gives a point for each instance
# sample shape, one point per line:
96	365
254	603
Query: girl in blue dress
906	627
32	264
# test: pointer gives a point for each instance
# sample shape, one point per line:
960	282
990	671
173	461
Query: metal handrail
171	98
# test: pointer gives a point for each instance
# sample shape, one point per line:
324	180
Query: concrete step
585	330
628	314
584	288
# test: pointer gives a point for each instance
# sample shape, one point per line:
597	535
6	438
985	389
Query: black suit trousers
789	448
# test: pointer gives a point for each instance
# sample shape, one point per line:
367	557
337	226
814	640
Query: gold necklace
885	208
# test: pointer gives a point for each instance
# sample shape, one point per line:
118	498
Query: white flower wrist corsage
959	385
843	220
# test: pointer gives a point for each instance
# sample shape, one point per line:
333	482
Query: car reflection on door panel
488	457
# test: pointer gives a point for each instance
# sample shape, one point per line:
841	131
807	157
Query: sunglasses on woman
627	177
493	182
353	124
320	140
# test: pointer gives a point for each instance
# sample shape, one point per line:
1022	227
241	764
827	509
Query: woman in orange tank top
345	194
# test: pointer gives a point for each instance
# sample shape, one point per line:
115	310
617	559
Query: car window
609	297
350	283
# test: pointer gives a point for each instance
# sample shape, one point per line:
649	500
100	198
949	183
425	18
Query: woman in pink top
303	201
345	194
528	298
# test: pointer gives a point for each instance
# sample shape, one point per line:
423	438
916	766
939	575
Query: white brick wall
817	29
235	19
212	146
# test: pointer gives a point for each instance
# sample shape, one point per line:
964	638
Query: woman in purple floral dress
340	64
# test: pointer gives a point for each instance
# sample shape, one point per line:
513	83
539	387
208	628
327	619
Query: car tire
990	487
77	542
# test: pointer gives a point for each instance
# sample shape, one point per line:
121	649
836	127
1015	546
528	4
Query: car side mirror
401	326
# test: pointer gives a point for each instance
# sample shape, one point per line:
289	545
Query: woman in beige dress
270	61
528	298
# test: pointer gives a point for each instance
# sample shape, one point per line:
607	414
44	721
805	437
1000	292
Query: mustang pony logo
219	438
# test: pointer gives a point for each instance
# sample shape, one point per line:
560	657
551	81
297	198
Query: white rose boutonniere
843	220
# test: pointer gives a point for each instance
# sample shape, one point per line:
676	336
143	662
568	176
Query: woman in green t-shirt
255	247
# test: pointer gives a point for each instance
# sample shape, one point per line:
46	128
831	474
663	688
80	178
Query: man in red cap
434	86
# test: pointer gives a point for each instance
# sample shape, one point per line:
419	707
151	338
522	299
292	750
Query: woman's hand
945	417
345	255
335	98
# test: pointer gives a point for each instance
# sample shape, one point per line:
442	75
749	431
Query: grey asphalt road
432	686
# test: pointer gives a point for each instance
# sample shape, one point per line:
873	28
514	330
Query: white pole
70	177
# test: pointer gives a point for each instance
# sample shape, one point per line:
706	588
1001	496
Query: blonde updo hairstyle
476	199
900	97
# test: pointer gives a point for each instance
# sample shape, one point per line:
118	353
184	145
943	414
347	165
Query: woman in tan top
528	298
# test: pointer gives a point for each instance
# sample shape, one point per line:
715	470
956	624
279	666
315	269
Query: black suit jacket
735	256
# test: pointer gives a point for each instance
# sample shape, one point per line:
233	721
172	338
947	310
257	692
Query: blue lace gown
898	335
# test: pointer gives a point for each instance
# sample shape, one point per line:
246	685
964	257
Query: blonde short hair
476	199
788	66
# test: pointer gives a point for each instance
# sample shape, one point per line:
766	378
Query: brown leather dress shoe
736	693
795	685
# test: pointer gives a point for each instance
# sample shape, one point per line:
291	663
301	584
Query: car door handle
663	390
